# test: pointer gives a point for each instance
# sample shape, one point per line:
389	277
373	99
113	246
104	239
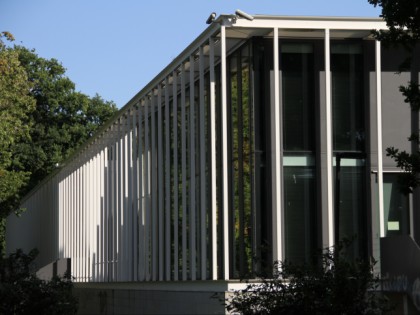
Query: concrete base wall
124	299
92	301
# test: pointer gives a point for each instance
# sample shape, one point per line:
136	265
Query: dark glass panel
352	204
299	212
297	68
298	101
347	97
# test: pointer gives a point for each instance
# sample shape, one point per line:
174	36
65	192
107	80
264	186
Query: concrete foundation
151	298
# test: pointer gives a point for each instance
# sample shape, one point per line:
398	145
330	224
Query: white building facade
263	140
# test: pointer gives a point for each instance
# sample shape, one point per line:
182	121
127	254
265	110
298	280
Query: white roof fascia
286	22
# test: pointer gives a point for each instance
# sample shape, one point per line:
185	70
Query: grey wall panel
396	115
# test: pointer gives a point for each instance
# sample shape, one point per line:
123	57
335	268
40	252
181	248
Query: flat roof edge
317	18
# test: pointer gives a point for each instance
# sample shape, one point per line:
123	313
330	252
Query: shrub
337	286
22	292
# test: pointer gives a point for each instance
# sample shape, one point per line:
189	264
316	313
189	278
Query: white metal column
60	216
125	226
147	199
184	175
141	196
213	188
113	209
276	155
105	211
225	164
102	222
192	188
96	188
120	200
79	224
82	220
160	191
92	211
175	173
167	185
130	219
135	192
328	120
89	251
153	173
379	137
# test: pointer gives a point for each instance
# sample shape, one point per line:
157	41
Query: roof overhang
300	26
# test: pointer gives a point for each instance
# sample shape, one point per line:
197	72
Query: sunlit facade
263	140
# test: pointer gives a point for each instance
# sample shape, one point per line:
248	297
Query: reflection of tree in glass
241	119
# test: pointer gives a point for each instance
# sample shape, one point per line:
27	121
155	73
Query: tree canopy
43	120
403	20
64	118
16	106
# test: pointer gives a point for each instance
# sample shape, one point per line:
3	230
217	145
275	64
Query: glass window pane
347	97
299	212
298	103
297	68
396	207
352	204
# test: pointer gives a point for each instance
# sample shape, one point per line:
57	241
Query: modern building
228	160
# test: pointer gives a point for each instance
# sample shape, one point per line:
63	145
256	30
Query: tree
337	286
43	121
403	21
16	106
64	118
22	292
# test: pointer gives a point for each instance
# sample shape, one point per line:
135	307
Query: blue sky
114	48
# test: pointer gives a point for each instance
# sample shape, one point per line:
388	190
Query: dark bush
338	285
22	292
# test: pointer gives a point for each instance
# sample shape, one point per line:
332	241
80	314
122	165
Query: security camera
244	15
211	18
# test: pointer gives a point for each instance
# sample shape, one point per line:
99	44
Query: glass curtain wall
298	104
241	157
348	116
